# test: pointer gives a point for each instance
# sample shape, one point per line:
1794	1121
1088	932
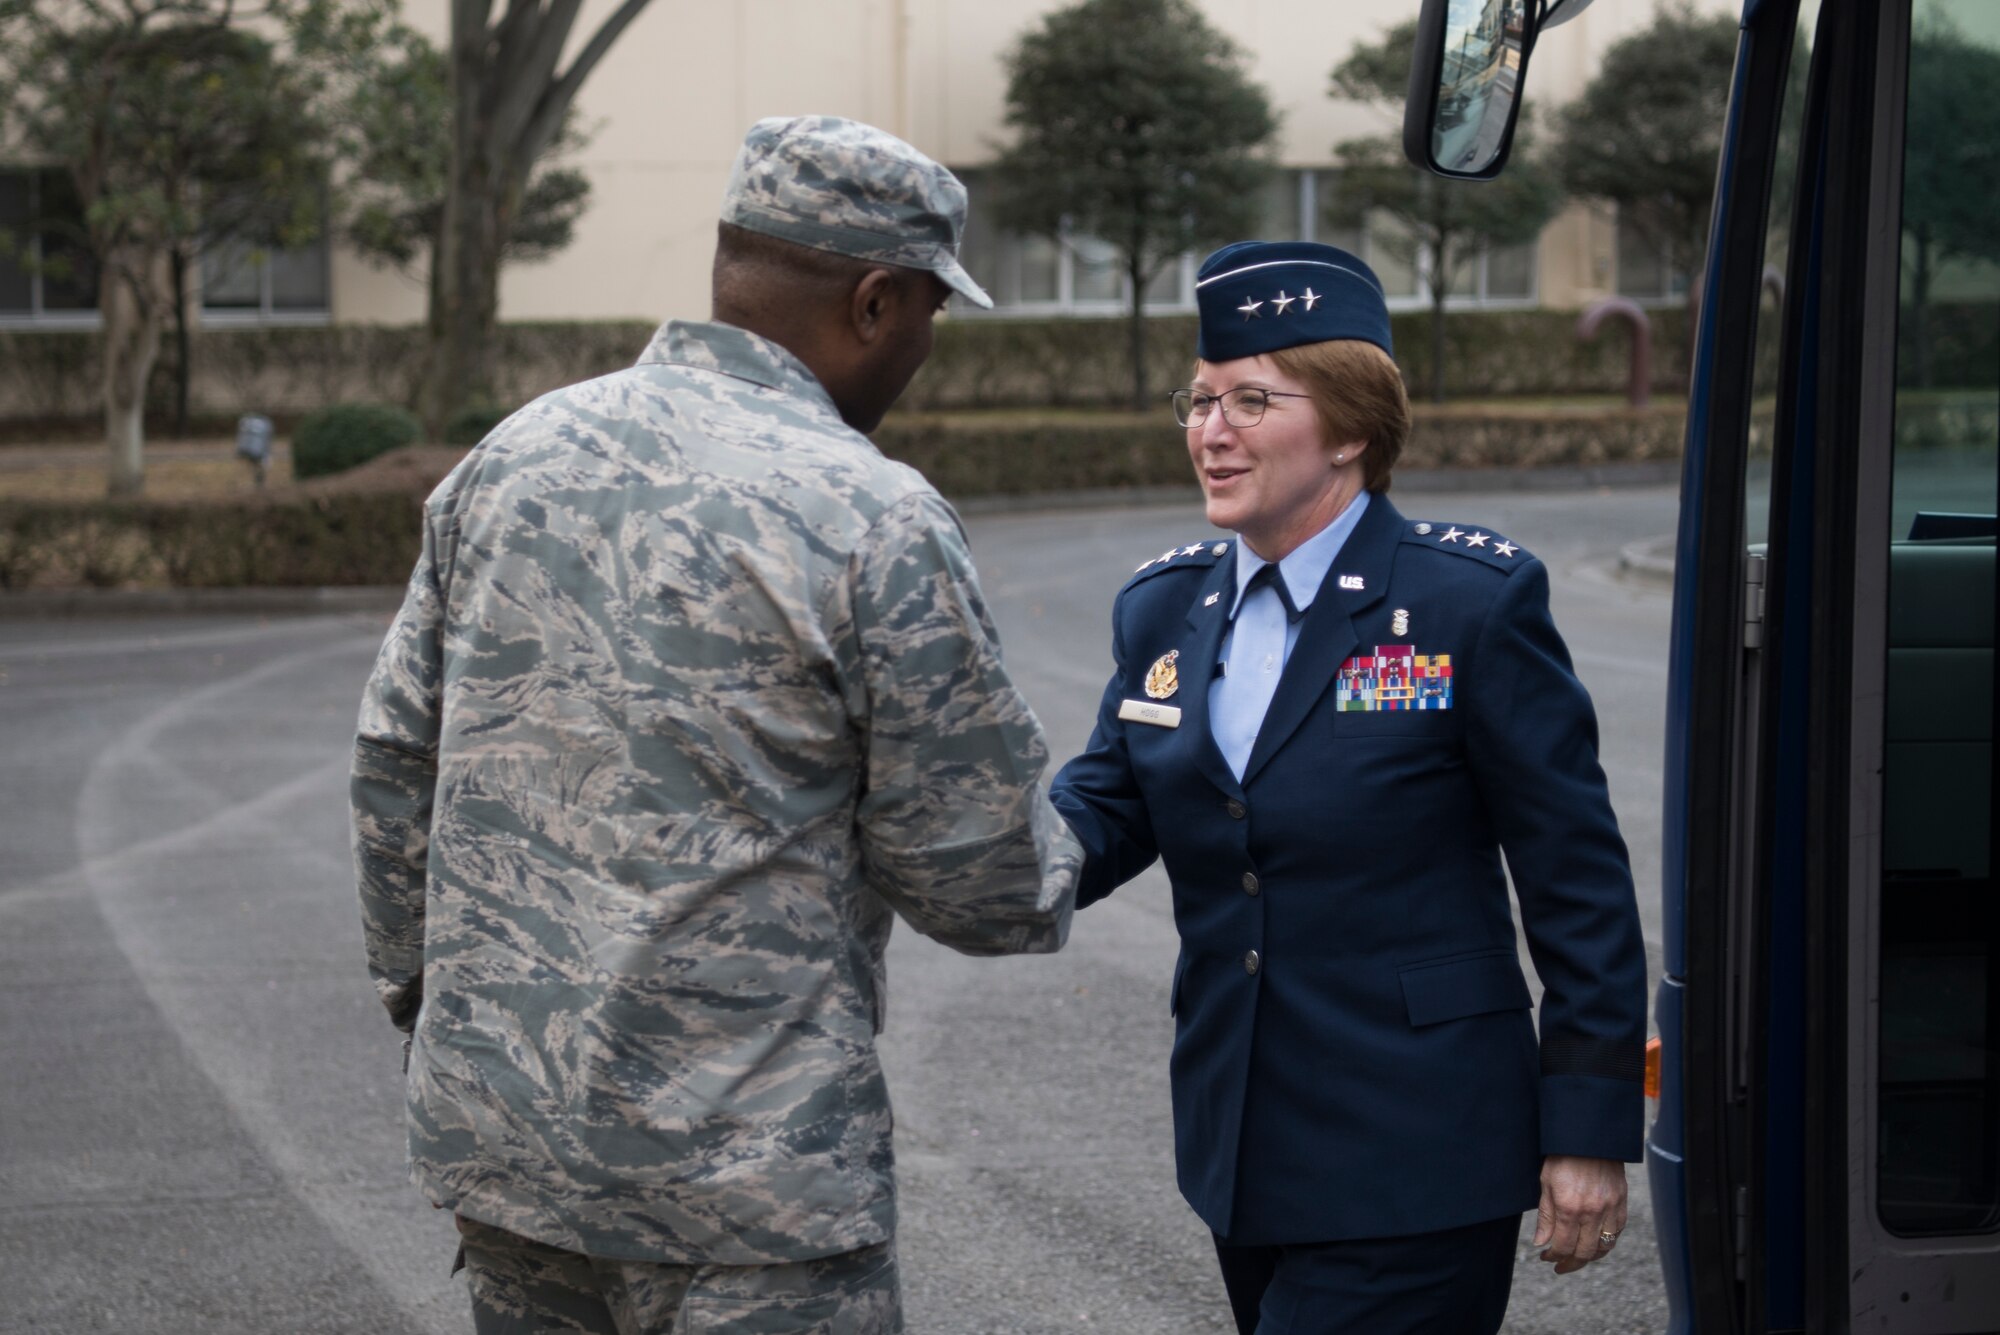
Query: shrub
1082	363
968	455
366	538
469	425
51	377
315	536
27	537
1024	454
336	439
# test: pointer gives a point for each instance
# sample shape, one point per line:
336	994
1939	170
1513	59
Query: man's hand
1582	1211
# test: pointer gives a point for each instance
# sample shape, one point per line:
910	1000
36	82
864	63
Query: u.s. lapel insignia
1163	678
1399	621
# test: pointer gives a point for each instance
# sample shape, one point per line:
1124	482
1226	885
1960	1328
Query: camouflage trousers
523	1287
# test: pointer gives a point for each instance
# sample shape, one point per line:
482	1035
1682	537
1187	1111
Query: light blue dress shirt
1260	638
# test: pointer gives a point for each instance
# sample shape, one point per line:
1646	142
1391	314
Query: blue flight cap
1259	296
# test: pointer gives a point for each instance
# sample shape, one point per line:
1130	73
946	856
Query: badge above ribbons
1162	680
1394	677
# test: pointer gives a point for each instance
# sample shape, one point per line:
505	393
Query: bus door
1833	1137
1921	1097
1826	1153
1850	1076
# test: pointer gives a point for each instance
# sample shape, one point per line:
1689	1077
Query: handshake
693	692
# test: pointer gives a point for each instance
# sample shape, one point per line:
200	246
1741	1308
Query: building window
1509	273
46	272
1070	274
1498	277
245	284
1645	270
47	276
1082	275
1288	210
1504	276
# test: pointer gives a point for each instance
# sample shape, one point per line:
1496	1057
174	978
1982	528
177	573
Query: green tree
1953	130
1646	132
1443	223
261	161
510	99
178	129
396	193
1135	123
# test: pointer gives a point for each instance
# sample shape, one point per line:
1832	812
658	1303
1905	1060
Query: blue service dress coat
1354	1055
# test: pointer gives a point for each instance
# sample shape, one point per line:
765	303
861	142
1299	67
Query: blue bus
1825	1150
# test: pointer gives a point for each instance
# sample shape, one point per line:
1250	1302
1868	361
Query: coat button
1250	885
1235	809
1252	961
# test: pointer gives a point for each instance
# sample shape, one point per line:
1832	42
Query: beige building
668	106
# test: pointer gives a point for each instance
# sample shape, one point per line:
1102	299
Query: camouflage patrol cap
841	186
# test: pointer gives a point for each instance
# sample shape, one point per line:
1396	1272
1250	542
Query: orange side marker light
1652	1068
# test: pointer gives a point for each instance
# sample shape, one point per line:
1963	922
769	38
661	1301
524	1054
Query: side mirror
1465	84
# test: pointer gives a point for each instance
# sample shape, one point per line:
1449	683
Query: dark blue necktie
1269	574
1242	691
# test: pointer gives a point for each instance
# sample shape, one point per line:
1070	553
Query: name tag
1145	711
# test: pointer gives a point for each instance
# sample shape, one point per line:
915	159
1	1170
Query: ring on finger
1605	1238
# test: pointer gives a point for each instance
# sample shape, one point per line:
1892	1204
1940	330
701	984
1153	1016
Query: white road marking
122	878
44	650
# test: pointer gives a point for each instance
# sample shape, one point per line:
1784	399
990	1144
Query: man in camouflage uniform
690	690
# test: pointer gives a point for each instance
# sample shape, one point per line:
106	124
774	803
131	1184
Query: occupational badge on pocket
1163	678
1394	677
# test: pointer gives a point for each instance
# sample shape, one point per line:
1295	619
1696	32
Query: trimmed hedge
369	538
1017	455
50	377
365	527
348	435
1001	363
1024	454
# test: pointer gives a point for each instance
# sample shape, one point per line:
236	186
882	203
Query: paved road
200	1126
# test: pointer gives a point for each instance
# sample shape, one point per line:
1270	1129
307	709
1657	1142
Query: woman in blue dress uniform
1331	726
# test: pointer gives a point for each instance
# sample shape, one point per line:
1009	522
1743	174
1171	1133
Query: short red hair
1359	395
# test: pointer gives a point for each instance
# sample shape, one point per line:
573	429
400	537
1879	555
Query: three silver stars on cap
1281	301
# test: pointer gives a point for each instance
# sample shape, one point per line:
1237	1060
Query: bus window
1771	300
1938	1076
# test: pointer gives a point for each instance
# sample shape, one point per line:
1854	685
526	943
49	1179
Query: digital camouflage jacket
690	689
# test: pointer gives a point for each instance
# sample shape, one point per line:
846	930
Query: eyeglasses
1240	407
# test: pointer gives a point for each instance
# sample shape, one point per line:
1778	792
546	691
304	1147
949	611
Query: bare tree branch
549	117
468	26
528	77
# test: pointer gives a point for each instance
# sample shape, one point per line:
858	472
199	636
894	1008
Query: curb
1087	498
1650	561
1556	477
61	604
